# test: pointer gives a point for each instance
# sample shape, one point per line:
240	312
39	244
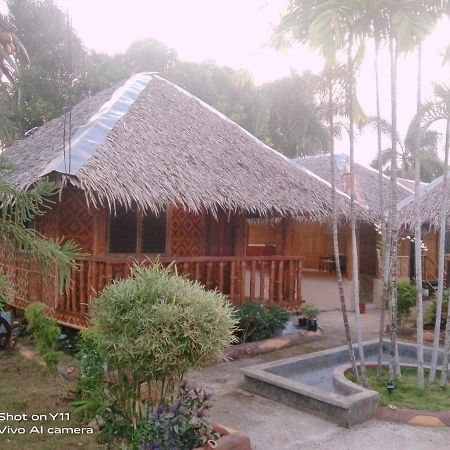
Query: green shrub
92	399
44	332
257	322
444	310
406	299
149	331
310	311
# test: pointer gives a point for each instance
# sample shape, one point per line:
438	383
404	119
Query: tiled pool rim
346	403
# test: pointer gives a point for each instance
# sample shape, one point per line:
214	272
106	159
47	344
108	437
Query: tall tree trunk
418	227
441	269
353	217
334	221
385	247
394	367
444	373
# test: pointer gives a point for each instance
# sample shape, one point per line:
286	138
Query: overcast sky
236	33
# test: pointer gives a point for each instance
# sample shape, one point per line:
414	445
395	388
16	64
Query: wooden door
219	235
220	242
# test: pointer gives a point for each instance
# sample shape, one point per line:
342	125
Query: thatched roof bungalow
145	169
148	143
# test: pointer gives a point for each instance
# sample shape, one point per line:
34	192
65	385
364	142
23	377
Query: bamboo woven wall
267	234
310	241
71	219
186	233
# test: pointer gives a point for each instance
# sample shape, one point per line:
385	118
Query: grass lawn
406	394
24	388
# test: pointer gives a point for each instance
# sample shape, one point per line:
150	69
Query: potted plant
310	312
302	320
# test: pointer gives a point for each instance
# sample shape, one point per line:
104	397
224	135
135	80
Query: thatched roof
431	204
366	179
149	143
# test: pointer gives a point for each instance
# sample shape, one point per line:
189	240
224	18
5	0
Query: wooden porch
274	280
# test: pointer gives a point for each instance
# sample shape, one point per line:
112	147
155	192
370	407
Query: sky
236	33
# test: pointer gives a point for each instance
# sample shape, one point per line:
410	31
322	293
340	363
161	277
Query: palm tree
374	24
313	22
432	112
350	22
429	19
409	22
8	44
418	229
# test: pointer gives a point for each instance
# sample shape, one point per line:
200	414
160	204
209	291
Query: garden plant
147	332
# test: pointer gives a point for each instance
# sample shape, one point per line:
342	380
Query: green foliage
92	399
257	322
432	319
406	299
44	332
406	394
181	424
310	311
3	297
283	113
148	330
290	116
19	207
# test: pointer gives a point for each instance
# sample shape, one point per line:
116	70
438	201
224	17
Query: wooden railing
274	280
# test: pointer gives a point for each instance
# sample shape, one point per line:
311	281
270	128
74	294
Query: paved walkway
273	426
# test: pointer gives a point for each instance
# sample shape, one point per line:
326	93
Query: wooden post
262	280
280	282
82	295
299	282
271	282
252	281
73	292
243	267
233	281
208	275
221	274
291	282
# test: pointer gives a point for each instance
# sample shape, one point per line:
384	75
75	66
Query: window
133	232
153	233
123	231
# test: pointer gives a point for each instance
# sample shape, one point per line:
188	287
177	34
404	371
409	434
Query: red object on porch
261	250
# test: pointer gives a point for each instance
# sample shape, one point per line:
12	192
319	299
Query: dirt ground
273	426
24	388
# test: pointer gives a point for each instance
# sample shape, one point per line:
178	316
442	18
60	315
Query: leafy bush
180	425
444	310
406	299
149	331
257	322
310	311
92	399
44	332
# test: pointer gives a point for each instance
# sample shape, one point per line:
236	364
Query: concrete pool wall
316	383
